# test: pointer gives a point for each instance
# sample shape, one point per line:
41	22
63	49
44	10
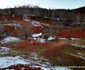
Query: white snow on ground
4	50
74	38
35	59
78	45
9	39
8	61
51	38
63	38
67	39
13	24
26	19
61	68
39	39
35	23
79	53
78	56
32	60
37	35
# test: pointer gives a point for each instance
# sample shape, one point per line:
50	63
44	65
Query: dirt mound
51	52
29	44
54	48
46	48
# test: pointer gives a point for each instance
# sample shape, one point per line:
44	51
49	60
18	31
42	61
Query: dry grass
79	42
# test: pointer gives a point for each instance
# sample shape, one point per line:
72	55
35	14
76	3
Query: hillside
41	39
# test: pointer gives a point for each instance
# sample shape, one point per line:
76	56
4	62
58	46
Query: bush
46	36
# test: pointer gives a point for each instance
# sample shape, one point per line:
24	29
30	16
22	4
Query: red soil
2	18
49	44
18	18
77	33
35	18
29	44
20	67
37	29
10	30
54	48
9	17
51	48
51	52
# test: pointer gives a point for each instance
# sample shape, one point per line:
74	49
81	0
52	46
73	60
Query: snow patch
35	23
13	24
33	61
39	39
51	38
9	61
78	56
27	20
4	50
74	38
78	45
37	35
63	38
61	68
9	39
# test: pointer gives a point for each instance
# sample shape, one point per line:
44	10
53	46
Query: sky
53	4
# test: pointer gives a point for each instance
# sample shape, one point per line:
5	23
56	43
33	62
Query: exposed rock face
77	33
37	29
9	30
